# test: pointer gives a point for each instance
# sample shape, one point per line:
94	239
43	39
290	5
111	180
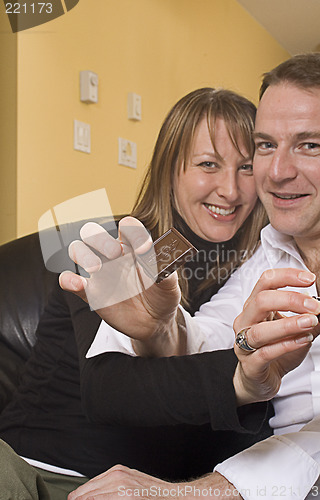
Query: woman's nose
228	186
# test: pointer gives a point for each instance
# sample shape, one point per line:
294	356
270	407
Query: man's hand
118	288
281	342
123	482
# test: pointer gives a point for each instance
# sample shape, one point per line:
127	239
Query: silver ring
241	340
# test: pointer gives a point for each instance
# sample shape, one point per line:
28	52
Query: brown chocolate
318	298
168	253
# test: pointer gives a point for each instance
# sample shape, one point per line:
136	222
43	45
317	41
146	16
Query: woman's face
216	192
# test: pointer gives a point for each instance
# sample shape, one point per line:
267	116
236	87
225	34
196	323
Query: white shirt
281	466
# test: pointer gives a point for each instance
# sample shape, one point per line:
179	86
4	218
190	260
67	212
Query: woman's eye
247	168
207	164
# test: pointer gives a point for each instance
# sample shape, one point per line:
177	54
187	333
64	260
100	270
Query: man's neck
310	254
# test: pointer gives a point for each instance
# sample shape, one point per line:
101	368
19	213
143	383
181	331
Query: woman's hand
281	342
118	288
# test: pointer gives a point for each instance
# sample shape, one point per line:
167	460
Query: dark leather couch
24	287
25	284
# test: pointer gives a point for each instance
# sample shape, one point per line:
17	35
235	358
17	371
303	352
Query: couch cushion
24	287
25	282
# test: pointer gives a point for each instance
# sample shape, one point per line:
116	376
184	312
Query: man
287	172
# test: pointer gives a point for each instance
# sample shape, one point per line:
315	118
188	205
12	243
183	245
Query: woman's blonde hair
155	205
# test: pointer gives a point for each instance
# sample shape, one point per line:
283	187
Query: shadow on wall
30	13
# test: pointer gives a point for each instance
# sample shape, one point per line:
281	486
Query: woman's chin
218	234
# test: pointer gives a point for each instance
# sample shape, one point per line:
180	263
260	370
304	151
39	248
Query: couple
287	175
45	422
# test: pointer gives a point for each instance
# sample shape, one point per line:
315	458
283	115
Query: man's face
287	160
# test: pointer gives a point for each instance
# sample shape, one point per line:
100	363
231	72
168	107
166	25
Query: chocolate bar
167	254
318	298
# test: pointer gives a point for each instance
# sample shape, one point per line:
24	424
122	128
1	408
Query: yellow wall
160	49
8	130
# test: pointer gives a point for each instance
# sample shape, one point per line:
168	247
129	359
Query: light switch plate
127	153
88	87
134	106
82	136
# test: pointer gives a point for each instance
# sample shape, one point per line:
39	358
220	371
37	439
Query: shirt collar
277	245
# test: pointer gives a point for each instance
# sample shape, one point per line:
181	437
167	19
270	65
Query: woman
202	165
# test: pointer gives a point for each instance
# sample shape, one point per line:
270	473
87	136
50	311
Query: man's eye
310	145
264	145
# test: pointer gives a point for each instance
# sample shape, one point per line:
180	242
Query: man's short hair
302	71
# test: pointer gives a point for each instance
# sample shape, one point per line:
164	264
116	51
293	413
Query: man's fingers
280	278
108	484
95	495
269	354
91	487
270	332
267	301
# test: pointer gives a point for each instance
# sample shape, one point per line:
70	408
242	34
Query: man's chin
283	227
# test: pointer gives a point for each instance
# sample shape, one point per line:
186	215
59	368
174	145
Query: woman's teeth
220	211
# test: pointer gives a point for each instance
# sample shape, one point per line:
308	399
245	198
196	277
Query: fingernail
307	277
77	283
311	305
92	264
307	321
304	340
142	244
114	250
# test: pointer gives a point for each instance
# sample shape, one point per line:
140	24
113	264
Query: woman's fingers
100	240
81	254
133	233
133	236
111	264
72	282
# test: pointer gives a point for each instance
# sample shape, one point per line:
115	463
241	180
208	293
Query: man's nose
282	166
